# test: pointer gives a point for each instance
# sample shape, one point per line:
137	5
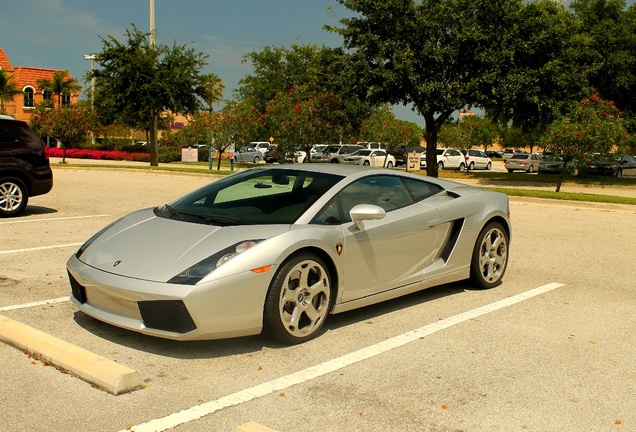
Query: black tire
510	170
471	167
490	256
293	313
462	167
489	166
257	159
389	164
13	196
619	174
366	163
440	166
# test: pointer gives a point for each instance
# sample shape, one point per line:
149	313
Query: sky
57	34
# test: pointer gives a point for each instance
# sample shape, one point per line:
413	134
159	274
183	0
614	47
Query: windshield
257	196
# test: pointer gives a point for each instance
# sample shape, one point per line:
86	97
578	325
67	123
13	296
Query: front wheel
389	164
489	166
13	196
619	174
490	256
298	300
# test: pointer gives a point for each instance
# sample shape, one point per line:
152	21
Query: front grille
77	290
166	315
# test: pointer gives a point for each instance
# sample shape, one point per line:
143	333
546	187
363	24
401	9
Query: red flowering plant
70	125
303	118
594	126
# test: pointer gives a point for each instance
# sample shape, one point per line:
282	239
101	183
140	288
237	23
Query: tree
71	124
301	118
610	33
319	69
593	126
382	126
8	90
439	55
548	74
212	90
468	132
140	82
61	84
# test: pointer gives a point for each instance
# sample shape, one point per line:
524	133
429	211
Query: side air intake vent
451	241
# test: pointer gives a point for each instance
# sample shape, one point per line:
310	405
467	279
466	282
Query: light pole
91	57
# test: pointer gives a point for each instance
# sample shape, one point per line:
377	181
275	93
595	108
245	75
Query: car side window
6	137
387	192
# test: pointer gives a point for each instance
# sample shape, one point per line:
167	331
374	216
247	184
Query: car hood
144	246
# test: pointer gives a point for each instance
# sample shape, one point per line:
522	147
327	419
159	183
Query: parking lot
551	349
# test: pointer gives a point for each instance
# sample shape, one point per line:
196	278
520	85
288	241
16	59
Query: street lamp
92	57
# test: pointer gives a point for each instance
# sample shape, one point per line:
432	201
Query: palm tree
62	83
212	88
8	90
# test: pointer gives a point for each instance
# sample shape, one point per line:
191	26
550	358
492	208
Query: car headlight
194	274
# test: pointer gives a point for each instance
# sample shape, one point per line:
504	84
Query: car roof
356	171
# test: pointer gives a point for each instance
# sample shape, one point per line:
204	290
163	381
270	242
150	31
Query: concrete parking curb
253	427
99	371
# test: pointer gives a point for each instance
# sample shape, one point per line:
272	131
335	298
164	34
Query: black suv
24	166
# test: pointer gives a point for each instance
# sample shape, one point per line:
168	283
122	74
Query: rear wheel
257	159
471	166
462	167
531	169
490	256
440	166
298	300
13	196
489	166
366	163
619	173
389	164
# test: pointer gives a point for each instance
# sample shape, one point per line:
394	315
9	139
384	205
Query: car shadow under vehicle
208	349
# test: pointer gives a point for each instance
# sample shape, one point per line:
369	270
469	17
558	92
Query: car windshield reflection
252	197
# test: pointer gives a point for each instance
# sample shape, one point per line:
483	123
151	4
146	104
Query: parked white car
447	158
374	158
477	159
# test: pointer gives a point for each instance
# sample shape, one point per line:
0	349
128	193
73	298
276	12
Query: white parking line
51	219
34	304
279	384
6	252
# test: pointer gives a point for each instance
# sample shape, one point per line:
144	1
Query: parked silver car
279	248
528	162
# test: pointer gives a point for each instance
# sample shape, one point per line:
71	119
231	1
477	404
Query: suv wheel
13	196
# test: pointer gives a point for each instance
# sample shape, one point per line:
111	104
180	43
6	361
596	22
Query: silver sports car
276	249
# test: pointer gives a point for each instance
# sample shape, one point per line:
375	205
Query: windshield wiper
219	218
173	211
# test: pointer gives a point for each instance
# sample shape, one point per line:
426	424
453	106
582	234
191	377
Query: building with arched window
26	79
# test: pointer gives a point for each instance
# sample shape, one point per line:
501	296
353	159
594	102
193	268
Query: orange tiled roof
5	64
26	76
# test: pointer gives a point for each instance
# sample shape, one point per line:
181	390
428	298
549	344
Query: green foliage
301	118
438	55
8	90
468	132
593	126
70	125
319	69
137	82
61	84
382	126
610	34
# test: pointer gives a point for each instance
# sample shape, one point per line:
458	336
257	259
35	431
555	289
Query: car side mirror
363	212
